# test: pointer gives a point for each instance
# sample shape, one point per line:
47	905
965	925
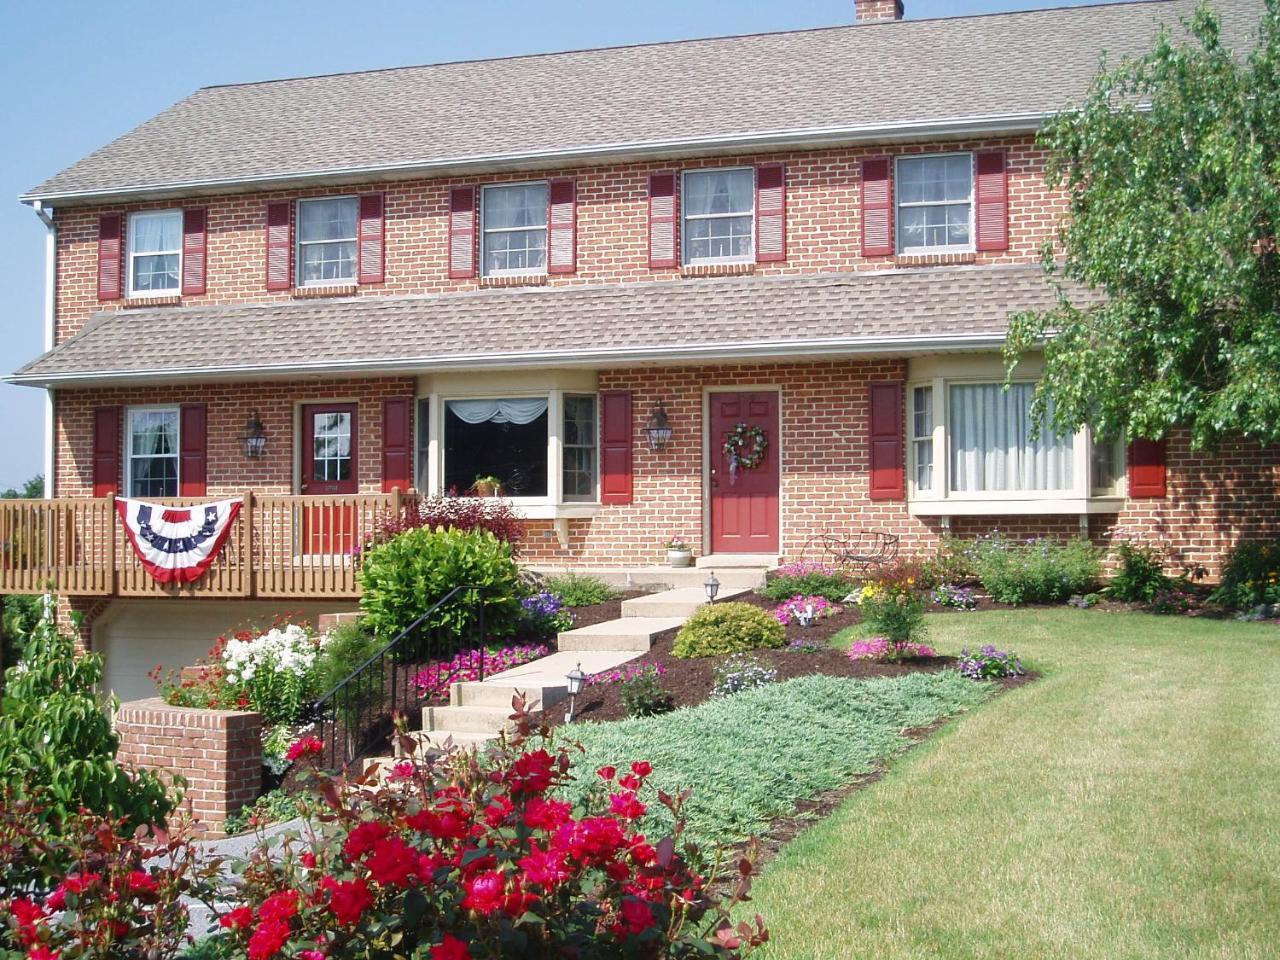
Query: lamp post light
576	679
712	586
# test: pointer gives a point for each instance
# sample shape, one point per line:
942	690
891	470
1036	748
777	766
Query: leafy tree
33	489
1172	171
57	747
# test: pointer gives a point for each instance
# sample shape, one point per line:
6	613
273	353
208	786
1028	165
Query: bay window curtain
992	448
499	411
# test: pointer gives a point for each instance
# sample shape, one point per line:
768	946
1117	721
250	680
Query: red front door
744	502
329	445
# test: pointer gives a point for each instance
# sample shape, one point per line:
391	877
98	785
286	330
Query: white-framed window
1106	467
498	439
934	196
513	219
718	214
327	240
922	436
151	442
578	444
993	445
155	252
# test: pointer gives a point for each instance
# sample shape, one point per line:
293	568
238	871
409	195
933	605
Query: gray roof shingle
680	320
871	77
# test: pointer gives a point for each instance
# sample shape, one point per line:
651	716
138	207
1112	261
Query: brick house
323	295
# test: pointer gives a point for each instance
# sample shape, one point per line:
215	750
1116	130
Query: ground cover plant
642	692
739	672
579	589
750	757
988	663
720	628
1113	808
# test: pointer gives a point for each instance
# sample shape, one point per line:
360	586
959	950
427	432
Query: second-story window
153	452
935	204
155	252
514	229
719	209
327	241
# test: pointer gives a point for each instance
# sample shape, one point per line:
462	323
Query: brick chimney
867	11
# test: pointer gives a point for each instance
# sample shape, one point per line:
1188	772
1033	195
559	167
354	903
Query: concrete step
491	694
731	561
488	720
682	602
665	577
627	633
435	740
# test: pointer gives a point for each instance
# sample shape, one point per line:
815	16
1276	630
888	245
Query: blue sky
76	75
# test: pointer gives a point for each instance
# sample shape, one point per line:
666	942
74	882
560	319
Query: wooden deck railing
279	546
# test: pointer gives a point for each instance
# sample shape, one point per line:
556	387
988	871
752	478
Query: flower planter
680	558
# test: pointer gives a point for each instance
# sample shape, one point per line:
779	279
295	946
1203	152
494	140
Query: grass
1123	806
579	589
748	758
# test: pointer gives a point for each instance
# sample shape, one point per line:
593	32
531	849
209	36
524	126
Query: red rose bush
468	856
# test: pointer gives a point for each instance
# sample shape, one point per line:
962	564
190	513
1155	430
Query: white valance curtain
155	232
524	410
991	445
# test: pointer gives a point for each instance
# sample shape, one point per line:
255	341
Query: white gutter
445	166
50	319
845	346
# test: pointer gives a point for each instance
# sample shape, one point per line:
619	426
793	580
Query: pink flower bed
882	648
435	677
628	671
791	611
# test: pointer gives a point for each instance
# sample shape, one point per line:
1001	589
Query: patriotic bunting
177	544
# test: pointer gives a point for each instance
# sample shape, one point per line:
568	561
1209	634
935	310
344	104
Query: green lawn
1126	805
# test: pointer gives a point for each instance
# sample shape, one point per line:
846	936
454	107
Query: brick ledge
521	280
337	290
171	300
934	259
717	269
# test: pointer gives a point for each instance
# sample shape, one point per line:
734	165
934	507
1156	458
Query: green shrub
951	564
57	748
1141	573
643	694
274	807
720	628
1036	570
805	579
404	577
21	613
579	589
895	614
1250	575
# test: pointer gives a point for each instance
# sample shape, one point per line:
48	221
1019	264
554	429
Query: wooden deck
279	546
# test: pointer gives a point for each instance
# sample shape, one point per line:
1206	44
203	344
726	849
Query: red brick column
218	752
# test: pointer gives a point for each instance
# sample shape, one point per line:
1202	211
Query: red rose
362	838
393	862
607	773
308	860
496	813
279	906
241	918
531	773
307	746
543	814
142	882
348	899
450	948
41	952
641	768
267	939
626	805
637	917
544	868
629	782
78	883
485	892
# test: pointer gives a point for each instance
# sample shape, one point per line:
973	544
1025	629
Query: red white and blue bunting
177	544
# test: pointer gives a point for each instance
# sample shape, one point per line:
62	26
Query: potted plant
678	553
486	486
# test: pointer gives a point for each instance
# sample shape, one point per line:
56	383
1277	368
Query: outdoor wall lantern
658	428
712	586
255	437
576	679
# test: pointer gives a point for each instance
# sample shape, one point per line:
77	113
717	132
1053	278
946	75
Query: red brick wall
823	227
218	752
230	472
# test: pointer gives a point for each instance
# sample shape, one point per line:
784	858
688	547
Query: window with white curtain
992	448
155	252
500	439
152	443
578	443
327	240
922	436
513	229
718	209
935	203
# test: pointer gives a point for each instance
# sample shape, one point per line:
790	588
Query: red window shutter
106	451
279	245
462	233
370	239
991	197
397	444
771	213
1147	469
110	255
885	441
877	207
664	234
195	225
193	450
562	226
615	446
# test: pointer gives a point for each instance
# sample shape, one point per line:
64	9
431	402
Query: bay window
155	252
935	204
995	445
719	215
151	441
579	449
327	240
496	439
513	221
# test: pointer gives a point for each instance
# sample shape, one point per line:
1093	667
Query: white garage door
135	636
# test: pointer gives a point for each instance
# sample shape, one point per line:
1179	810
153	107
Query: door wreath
745	446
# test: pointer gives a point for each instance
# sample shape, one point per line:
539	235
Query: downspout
50	304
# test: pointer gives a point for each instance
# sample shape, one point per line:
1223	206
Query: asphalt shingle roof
881	312
871	75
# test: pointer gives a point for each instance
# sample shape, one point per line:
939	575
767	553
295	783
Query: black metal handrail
358	713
